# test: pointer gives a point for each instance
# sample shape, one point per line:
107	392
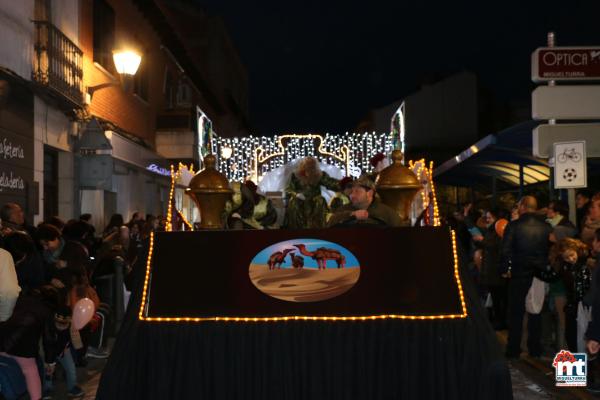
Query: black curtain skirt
297	360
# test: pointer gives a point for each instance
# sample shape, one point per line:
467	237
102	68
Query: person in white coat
9	285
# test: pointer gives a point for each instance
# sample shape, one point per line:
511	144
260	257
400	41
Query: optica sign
565	63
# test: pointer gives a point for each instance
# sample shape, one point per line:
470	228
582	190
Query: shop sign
565	63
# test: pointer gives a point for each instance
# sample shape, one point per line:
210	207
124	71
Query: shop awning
504	155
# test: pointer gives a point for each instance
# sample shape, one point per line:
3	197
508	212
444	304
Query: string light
169	226
172	204
436	212
281	149
457	275
143	317
185	221
147	278
253	156
425	176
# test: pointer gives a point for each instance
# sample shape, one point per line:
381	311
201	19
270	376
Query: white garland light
241	163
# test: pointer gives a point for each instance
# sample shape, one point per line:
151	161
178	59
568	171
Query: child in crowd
56	343
568	264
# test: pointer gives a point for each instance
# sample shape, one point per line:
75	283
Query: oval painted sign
304	270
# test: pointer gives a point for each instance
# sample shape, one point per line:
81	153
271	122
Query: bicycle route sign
570	165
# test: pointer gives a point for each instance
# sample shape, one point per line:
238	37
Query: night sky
320	66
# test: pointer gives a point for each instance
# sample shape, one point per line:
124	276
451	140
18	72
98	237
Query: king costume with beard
307	208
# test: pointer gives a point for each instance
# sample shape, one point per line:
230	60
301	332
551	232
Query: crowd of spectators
47	274
529	263
532	263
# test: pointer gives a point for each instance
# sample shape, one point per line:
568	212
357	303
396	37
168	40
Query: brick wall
126	110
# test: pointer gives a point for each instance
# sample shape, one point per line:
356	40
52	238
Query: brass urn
397	187
210	191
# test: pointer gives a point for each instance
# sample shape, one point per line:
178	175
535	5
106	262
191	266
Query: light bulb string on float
426	174
260	158
169	225
142	315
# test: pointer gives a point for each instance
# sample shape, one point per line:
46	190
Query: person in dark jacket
82	232
582	202
593	331
13	219
66	261
525	249
557	215
490	276
28	262
365	208
592	335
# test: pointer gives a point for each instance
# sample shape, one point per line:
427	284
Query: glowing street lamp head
127	62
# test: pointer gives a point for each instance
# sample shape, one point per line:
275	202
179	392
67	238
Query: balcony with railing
58	63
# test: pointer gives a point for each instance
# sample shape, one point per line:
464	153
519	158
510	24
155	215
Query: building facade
444	117
78	137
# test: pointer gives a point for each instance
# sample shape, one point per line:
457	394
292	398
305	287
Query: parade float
269	162
341	313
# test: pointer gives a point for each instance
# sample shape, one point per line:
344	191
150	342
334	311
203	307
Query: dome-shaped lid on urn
209	180
397	176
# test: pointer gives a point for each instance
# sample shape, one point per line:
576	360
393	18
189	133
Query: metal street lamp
127	63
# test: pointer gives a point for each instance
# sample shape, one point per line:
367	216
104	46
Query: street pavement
533	379
526	389
88	379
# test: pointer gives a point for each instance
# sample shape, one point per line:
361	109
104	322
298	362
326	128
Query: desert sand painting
304	269
307	284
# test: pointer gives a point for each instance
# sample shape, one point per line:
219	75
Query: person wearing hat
364	208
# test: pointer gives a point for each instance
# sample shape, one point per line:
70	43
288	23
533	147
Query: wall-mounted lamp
127	64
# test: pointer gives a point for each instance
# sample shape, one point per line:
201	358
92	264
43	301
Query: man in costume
250	210
365	208
342	197
306	206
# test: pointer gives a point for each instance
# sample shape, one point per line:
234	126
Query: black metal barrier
110	291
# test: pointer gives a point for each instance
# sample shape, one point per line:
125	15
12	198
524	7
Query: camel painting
297	261
277	259
296	270
322	255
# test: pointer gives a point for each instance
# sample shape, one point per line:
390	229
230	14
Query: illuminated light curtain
241	164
